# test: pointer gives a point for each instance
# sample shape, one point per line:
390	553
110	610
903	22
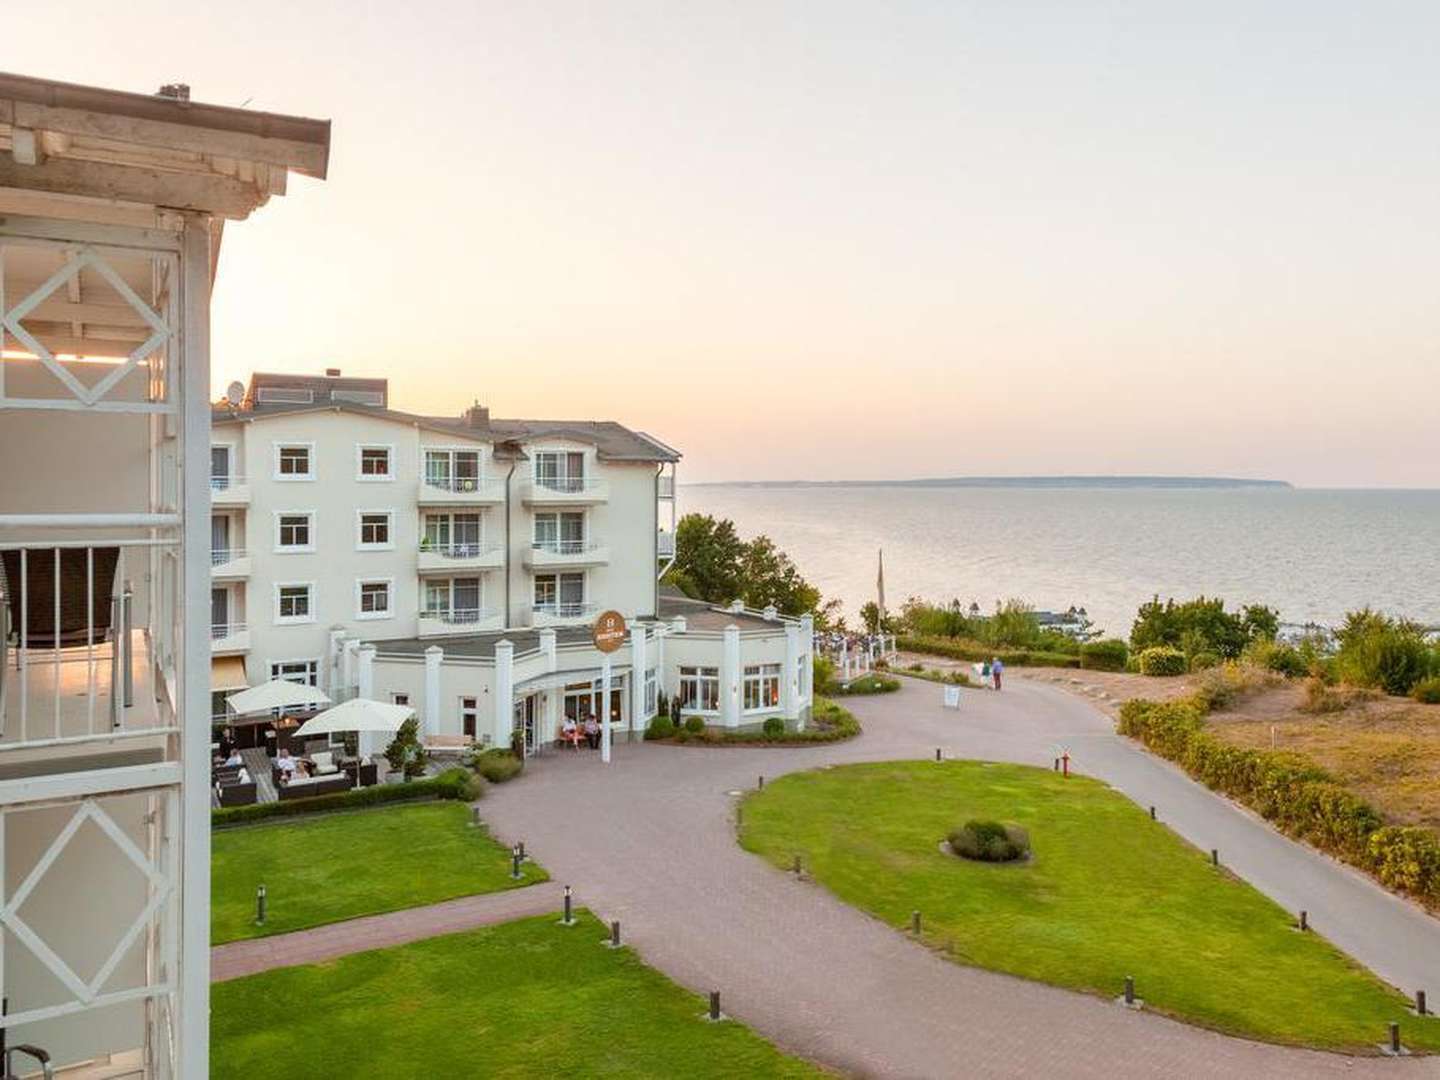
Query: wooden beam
305	157
180	191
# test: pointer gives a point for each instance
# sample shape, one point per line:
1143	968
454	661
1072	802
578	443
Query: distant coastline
1181	482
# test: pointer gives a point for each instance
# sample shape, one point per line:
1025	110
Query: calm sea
1314	554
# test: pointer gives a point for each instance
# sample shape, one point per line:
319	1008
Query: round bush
990	841
1204	661
498	766
1427	691
773	727
1107	655
694	725
1162	660
662	727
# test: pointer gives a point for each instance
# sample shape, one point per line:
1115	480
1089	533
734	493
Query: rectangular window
469	715
375	463
375	528
652	692
560	594
453	600
374	600
292	603
700	689
560	470
306	672
560	533
762	687
292	461
453	470
295	532
399	699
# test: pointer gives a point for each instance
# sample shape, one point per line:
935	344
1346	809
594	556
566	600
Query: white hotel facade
456	564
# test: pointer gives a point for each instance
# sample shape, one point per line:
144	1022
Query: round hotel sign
609	632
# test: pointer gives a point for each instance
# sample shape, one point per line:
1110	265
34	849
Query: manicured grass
526	999
328	867
1109	893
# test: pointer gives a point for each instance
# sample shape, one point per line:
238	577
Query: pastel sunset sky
843	240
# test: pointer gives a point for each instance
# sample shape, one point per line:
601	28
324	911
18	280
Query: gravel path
650	841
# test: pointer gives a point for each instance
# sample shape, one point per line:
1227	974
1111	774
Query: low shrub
1383	653
498	766
455	783
989	841
977	652
662	727
1205	660
1427	691
1284	660
1162	660
869	684
773	727
1297	795
823	674
694	725
1321	698
1218	687
1107	655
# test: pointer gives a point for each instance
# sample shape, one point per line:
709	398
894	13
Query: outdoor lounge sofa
315	785
237	794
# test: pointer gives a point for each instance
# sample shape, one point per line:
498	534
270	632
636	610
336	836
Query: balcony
547	554
229	638
665	545
444	558
439	622
229	563
565	491
460	491
562	613
229	491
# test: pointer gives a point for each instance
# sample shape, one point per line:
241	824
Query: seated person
302	771
234	759
284	762
569	732
592	732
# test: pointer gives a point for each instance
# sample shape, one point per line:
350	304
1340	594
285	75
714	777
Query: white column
547	646
430	719
661	684
791	684
730	677
504	692
639	659
605	709
551	700
192	1044
349	657
366	689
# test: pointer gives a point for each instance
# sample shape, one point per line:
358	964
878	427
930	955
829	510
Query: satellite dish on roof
235	393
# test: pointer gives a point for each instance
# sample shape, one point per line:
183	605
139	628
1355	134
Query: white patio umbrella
358	714
276	694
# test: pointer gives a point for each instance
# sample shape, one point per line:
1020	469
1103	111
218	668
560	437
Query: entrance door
470	715
524	720
220	466
219	539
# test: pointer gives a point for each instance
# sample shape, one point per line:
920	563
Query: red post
1065	763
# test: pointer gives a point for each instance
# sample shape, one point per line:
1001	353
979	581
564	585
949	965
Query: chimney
332	372
477	416
178	90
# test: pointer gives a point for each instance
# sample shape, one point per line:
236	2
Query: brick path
650	841
238	958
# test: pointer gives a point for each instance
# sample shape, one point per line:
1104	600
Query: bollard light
714	1004
515	863
1129	990
797	865
937	753
568	917
1420	1009
1057	764
761	784
475	817
1152	813
915	922
615	934
1304	921
1214	856
260	906
1394	1038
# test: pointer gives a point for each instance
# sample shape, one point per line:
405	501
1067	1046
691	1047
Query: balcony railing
221	556
225	483
568	485
564	609
220	631
462	485
458	550
457	616
556	545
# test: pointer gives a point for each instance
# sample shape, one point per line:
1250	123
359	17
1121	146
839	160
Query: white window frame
400	697
375	478
461	710
452	452
295	549
652	692
312	663
560	545
295	620
360	542
232	459
758	675
700	679
577	483
293	444
584	577
367	616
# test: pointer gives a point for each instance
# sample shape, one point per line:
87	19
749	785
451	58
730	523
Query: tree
712	563
405	754
1201	625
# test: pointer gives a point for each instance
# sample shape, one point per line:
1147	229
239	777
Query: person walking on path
996	667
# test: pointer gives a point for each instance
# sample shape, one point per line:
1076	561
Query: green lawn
327	867
522	999
1109	893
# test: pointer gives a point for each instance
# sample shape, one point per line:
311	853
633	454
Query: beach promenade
650	841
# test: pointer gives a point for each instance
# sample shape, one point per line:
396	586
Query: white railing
461	485
459	550
568	485
665	544
219	631
666	487
457	616
225	483
556	545
74	666
221	556
564	609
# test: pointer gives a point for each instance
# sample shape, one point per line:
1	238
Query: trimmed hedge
989	841
1107	655
829	722
497	765
959	649
456	783
1162	660
866	684
662	727
1301	798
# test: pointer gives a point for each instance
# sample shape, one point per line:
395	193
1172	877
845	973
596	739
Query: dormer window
560	470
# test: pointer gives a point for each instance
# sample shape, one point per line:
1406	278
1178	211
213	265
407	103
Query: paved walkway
323	943
650	841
